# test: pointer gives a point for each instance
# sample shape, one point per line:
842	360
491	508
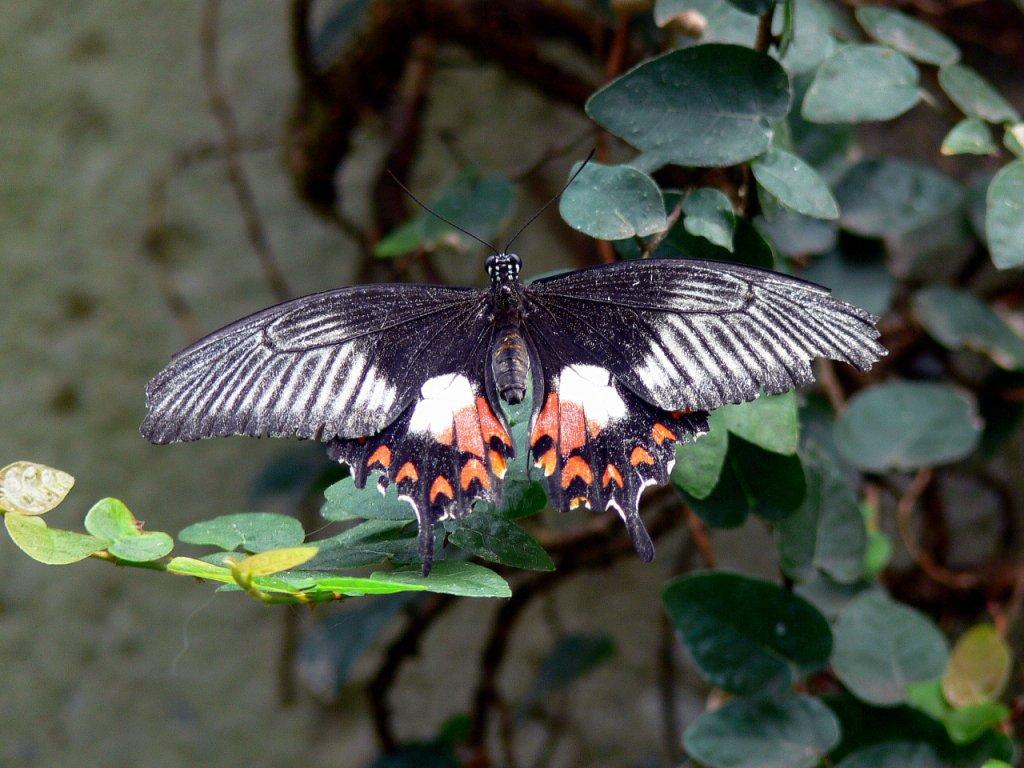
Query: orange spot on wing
441	487
407	472
572	427
575	467
661	433
469	431
489	424
612	474
547	462
498	463
579	501
381	456
640	456
445	437
474	469
547	420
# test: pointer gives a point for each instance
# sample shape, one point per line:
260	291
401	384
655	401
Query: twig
230	148
701	539
655	242
830	384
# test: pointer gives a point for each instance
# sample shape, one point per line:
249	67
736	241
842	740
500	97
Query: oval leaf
907	35
794	184
787	732
1004	216
859	83
142	547
894	754
969	137
881	648
274	561
344	501
451	578
500	540
904	425
613	202
252	531
959	320
50	545
699	462
27	488
110	519
708	213
769	422
706	105
974	95
744	633
979	667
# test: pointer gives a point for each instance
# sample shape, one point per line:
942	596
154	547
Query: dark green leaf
774	483
369	543
433	755
754	7
796	235
860	83
663	105
830	596
961	321
252	531
1004	217
770	422
907	35
882	647
746	633
699	462
452	578
500	540
749	247
907	425
613	202
827	532
785	732
572	657
725	22
726	506
974	95
346	502
52	546
894	754
813	41
864	280
794	184
891	197
971	136
708	213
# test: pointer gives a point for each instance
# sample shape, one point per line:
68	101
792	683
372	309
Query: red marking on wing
381	456
547	462
469	431
572	427
661	433
407	472
498	464
441	487
474	469
547	420
489	425
612	475
640	456
575	467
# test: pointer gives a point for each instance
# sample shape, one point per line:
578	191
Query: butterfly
405	382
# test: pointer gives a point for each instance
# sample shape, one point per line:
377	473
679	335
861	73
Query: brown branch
230	149
830	384
655	242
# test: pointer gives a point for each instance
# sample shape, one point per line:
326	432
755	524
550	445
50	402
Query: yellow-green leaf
189	566
50	545
27	488
979	667
274	561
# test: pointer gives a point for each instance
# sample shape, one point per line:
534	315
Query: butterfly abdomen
510	363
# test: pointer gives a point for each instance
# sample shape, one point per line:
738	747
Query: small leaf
727	506
745	633
979	667
572	657
971	136
613	202
963	725
50	545
774	483
274	561
860	83
1004	217
110	519
907	425
961	321
189	566
894	754
882	647
142	547
907	35
795	184
1013	139
451	577
346	502
813	41
27	488
974	95
500	540
252	531
791	731
770	422
708	213
369	543
725	23
796	235
356	586
662	105
699	462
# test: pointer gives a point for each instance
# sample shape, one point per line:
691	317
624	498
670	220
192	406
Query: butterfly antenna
549	202
437	215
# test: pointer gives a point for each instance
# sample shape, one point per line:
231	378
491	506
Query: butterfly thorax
510	362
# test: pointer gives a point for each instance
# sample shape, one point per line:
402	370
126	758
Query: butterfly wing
697	335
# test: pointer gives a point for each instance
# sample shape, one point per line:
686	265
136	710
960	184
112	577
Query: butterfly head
503	267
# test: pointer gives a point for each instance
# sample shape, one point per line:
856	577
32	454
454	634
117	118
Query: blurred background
127	228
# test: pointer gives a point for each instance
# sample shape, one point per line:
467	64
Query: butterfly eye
490	264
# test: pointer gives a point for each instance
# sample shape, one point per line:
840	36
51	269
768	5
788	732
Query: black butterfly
405	380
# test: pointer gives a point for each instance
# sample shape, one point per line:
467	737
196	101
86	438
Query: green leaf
274	561
963	725
1013	139
708	213
878	553
860	83
189	566
451	577
905	425
770	422
663	104
894	754
142	547
749	246
699	462
773	483
500	540
725	22
979	667
745	633
1004	216
971	136
49	545
813	41
830	596
791	731
890	196
863	280
827	532
27	488
754	7
355	586
110	519
907	35
251	531
346	502
613	202
368	543
727	505
882	647
795	184
959	320
796	235
572	657
974	95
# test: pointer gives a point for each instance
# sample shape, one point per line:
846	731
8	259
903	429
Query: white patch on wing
592	389
440	399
